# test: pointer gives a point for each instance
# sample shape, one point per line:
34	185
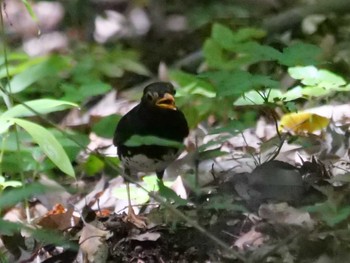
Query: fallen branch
293	17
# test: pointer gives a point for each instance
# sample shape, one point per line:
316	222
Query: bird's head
159	94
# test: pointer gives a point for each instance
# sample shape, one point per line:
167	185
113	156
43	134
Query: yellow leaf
301	122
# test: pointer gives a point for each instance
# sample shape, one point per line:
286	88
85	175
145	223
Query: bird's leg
160	175
131	217
160	179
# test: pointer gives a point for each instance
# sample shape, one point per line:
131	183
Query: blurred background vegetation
231	61
68	67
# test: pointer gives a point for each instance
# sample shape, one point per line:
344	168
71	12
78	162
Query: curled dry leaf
59	218
92	243
251	239
282	213
340	173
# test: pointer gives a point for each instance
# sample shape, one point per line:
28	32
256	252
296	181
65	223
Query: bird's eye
149	96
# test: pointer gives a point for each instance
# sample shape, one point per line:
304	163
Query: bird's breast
142	163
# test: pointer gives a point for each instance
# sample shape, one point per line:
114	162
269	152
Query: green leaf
192	85
13	197
30	10
9	228
87	90
238	82
192	116
71	147
223	36
48	67
49	144
227	37
43	235
105	127
300	54
211	154
233	127
133	66
344	88
213	54
5	124
137	140
303	72
93	165
48	236
42	106
330	214
4	184
93	89
257	52
315	91
10	163
312	76
21	65
259	98
170	194
14	56
248	33
136	194
293	94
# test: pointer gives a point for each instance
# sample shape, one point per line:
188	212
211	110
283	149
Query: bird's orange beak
167	102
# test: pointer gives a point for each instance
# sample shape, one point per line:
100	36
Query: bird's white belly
141	163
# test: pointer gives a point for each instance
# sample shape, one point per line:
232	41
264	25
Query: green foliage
37	69
238	82
169	194
71	141
93	165
329	213
48	143
196	92
17	195
9	228
44	236
41	106
75	78
106	126
150	183
79	93
30	10
88	72
229	50
94	66
137	140
237	75
318	82
4	184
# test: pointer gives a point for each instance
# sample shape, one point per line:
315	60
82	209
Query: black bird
156	115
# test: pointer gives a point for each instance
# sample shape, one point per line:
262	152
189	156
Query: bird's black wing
126	127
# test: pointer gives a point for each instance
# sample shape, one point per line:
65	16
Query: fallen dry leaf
284	214
59	218
92	243
249	240
148	236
